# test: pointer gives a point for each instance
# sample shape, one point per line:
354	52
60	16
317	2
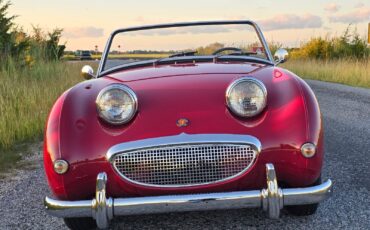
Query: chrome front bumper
272	199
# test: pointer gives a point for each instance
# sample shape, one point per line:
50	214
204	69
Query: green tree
13	40
21	49
53	49
6	24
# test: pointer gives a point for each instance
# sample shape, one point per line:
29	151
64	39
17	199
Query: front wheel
80	223
306	209
303	210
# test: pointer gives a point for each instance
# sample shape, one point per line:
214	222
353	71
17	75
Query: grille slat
184	165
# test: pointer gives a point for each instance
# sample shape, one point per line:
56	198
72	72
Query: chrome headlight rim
129	92
241	80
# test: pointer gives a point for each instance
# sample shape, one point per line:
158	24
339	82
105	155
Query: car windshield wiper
239	54
244	53
185	53
234	54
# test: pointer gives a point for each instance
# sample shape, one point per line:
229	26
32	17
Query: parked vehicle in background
83	55
217	127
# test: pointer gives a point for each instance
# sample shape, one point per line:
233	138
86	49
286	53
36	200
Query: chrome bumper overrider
272	199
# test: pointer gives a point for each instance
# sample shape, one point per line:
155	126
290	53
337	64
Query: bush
349	46
45	47
209	49
23	49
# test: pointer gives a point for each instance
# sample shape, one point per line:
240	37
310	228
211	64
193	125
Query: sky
87	23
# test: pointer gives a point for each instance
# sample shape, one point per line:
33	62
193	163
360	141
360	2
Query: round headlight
116	104
246	97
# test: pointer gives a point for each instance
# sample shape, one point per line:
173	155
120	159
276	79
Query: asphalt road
346	112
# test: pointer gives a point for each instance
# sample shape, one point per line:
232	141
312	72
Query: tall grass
26	96
345	71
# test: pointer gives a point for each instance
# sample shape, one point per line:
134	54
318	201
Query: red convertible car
185	118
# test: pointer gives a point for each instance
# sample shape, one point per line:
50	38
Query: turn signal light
60	166
308	150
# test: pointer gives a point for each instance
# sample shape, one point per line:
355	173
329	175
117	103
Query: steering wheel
227	48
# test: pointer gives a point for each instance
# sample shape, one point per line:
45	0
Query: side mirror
281	56
87	72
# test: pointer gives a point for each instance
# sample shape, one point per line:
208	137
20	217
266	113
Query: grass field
348	72
128	56
26	95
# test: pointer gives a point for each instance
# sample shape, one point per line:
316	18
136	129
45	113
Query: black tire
307	209
303	210
80	223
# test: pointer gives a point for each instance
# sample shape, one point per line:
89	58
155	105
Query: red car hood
196	92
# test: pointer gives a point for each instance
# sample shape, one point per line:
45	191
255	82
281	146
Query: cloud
332	7
359	5
359	15
83	32
291	21
284	21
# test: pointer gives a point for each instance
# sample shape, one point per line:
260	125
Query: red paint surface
195	92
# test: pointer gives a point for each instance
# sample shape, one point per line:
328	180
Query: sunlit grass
124	55
26	96
349	72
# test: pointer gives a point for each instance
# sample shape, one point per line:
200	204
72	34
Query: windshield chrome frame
104	57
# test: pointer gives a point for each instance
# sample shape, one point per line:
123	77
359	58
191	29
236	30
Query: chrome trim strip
184	139
185	203
309	195
61	208
271	199
182	24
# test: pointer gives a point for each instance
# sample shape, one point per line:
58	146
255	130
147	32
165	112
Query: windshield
191	42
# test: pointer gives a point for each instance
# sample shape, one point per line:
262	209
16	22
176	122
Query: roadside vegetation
33	75
31	79
344	59
26	96
352	72
72	57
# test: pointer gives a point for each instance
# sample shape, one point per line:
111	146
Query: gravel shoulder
346	113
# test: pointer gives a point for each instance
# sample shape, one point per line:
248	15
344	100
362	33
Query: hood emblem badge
182	122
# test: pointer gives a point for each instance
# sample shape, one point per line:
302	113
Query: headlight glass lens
117	104
246	97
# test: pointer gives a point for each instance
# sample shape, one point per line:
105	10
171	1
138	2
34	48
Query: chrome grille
185	165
